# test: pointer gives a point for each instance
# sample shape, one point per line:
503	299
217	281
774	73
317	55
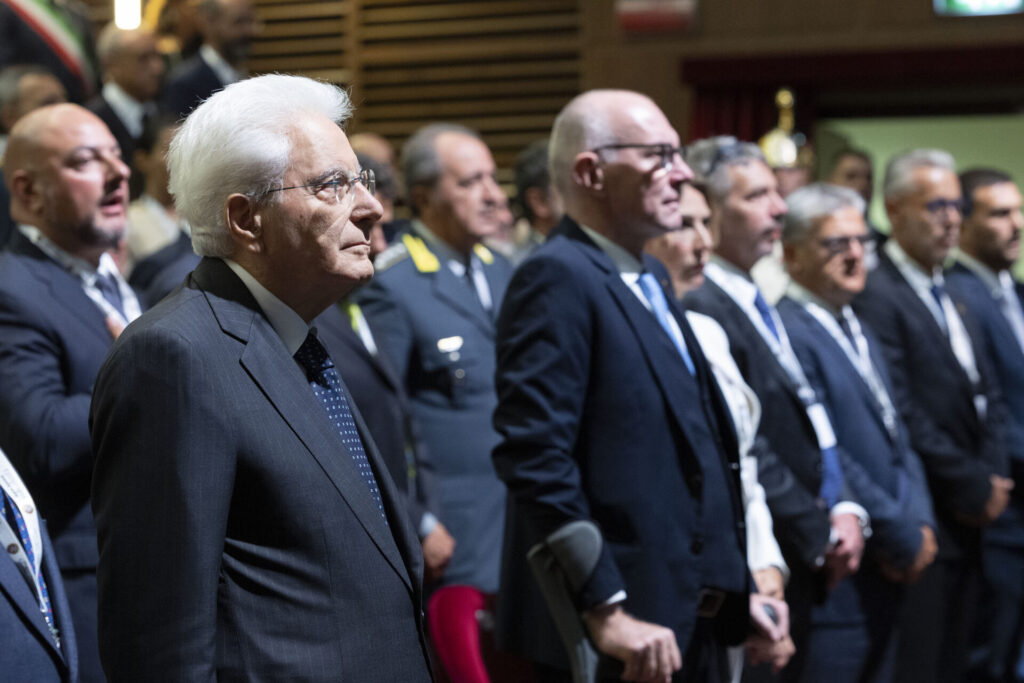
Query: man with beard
62	303
228	27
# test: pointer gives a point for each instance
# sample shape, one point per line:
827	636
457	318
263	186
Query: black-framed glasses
840	245
666	153
937	206
333	186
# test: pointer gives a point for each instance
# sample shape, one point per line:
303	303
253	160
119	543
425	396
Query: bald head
65	175
131	59
614	158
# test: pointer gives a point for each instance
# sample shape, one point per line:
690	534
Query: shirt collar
288	324
127	108
731	279
80	268
226	73
624	262
917	276
799	293
986	274
442	249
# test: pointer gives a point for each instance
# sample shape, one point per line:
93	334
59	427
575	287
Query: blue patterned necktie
110	290
649	286
939	293
326	383
766	314
16	521
831	476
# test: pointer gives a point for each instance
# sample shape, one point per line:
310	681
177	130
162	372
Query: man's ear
587	172
26	193
244	222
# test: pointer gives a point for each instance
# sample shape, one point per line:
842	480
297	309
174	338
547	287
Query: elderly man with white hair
248	529
945	393
609	412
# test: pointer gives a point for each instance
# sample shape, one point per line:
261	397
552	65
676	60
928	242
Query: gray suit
237	539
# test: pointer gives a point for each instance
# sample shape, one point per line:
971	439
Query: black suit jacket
935	397
787	451
601	420
382	402
188	84
237	538
157	275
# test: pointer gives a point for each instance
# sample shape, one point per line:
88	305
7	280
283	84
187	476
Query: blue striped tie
14	518
649	286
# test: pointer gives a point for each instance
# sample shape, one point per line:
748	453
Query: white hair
812	204
900	169
238	141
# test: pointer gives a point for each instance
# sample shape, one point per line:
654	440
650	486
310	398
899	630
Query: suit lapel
18	591
459	295
281	380
63	287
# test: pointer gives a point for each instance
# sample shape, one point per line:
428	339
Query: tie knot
313	356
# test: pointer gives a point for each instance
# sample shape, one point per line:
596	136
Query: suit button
697	544
460	374
734	466
13	549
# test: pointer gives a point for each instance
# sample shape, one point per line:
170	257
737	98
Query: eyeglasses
937	206
666	153
331	190
840	245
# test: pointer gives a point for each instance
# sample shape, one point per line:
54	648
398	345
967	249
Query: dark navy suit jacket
935	398
998	342
188	84
160	273
27	652
53	339
600	420
238	540
883	472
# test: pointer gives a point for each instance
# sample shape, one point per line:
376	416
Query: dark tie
326	383
831	476
766	314
939	293
111	292
844	325
656	297
16	521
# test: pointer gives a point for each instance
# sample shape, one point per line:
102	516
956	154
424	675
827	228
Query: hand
769	582
438	547
770	641
925	556
649	651
844	558
114	326
997	499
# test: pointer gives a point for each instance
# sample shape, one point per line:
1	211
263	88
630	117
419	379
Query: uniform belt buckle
709	602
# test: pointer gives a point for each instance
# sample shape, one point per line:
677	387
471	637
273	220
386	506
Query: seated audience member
825	239
23	87
133	71
228	28
62	44
980	281
684	252
854	169
62	304
159	242
432	305
37	639
818	523
608	413
233	480
944	390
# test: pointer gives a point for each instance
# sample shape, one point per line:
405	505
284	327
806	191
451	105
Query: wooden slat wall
504	67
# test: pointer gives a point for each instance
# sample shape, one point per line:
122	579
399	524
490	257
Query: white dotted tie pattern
326	383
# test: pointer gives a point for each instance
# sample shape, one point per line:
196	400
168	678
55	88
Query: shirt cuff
847	507
427	524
